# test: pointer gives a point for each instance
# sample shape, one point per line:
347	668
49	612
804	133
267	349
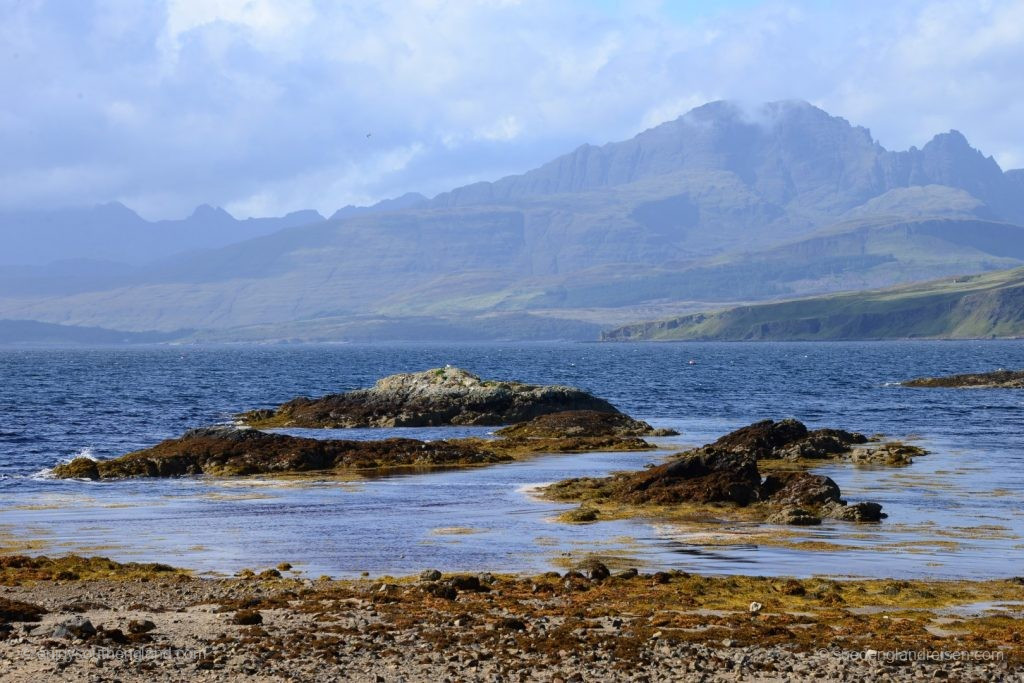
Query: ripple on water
951	512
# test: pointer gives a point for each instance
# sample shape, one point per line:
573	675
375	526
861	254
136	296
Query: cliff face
972	307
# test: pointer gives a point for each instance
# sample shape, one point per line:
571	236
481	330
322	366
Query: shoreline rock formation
998	379
240	451
230	451
442	396
727	472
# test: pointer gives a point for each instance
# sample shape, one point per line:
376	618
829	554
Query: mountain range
726	204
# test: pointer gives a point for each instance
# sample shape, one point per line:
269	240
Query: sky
270	106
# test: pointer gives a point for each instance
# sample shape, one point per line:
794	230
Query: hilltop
967	307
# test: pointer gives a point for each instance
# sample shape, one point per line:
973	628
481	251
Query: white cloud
264	105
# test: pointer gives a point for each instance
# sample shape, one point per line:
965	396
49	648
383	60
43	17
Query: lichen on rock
442	396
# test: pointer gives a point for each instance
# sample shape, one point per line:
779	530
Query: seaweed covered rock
998	379
799	488
892	453
762	439
586	423
705	476
788	439
443	396
726	472
233	451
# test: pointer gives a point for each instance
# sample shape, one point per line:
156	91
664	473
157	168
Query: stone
800	489
136	626
858	512
794	516
430	575
247	617
594	570
75	627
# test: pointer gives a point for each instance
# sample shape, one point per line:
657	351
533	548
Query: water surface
955	512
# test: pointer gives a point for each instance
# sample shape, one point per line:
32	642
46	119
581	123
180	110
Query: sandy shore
95	620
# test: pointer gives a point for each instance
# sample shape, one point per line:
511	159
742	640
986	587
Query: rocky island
442	396
998	379
239	451
726	473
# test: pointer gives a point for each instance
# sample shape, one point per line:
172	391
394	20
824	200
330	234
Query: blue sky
264	106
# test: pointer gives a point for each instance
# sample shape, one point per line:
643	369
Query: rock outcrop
229	451
236	451
999	379
443	396
726	472
788	440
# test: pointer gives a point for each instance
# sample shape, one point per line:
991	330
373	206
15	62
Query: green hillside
968	307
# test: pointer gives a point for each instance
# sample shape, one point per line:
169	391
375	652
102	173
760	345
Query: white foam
47	472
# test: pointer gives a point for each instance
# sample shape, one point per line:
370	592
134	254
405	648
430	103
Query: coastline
153	622
680	626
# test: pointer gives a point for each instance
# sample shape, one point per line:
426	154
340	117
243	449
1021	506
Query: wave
47	472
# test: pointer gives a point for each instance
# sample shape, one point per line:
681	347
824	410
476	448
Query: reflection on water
955	512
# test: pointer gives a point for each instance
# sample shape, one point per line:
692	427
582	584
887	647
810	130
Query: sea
956	512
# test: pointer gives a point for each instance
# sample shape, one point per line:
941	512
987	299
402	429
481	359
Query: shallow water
955	512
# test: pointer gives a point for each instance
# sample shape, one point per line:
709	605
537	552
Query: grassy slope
989	305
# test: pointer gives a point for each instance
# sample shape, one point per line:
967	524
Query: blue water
955	512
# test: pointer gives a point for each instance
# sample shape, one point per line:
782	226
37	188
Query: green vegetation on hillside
967	307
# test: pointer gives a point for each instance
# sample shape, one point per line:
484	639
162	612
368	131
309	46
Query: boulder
892	453
858	512
761	439
594	570
794	516
74	628
801	489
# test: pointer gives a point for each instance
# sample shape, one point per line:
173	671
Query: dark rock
820	444
999	379
791	587
468	583
704	476
794	516
143	626
594	570
587	423
799	489
75	627
761	439
858	512
247	617
442	396
444	590
16	610
431	575
511	624
232	451
581	514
